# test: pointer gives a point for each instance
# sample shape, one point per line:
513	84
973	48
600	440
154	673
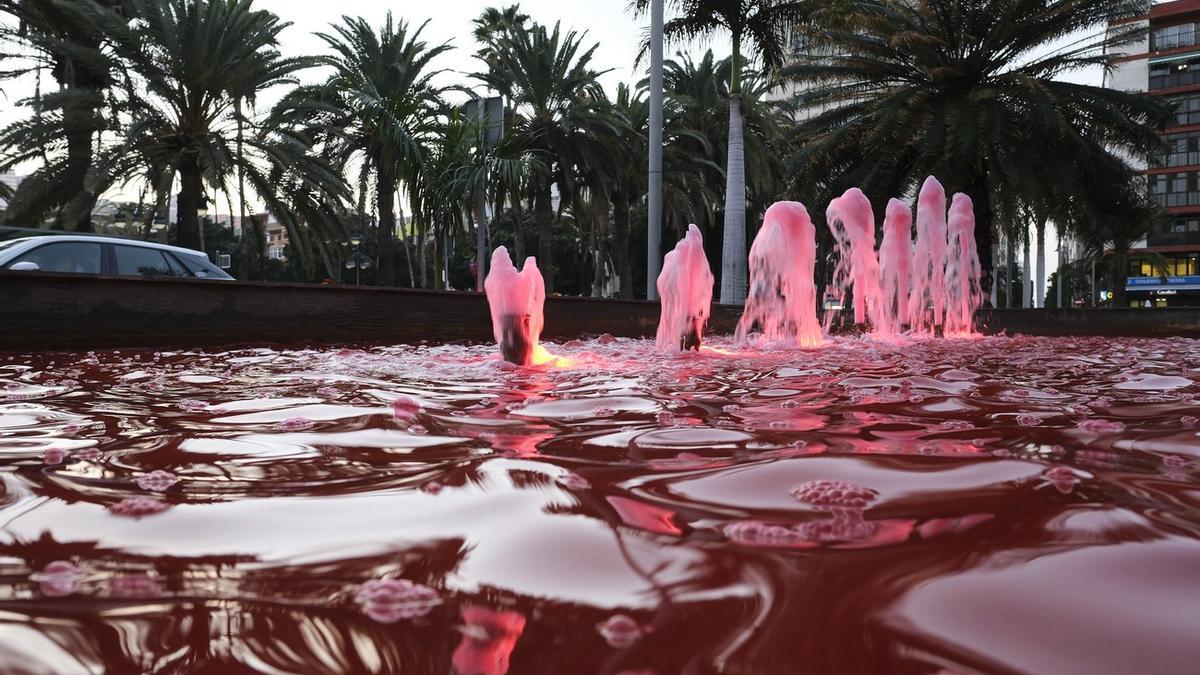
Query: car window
141	261
70	257
177	269
201	267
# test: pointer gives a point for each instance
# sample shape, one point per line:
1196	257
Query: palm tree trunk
599	208
439	244
543	214
423	252
1120	275
1009	267
733	245
1040	296
190	187
1026	269
620	202
993	296
1062	274
518	229
331	268
387	229
977	190
77	117
412	281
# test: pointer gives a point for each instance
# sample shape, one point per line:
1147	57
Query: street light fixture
357	260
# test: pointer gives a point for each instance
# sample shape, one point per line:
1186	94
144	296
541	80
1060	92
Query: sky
607	22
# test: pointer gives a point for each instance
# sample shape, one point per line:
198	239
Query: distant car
107	256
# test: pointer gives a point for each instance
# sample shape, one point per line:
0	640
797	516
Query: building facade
1165	268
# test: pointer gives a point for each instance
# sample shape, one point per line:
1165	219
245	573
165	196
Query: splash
853	227
516	301
926	309
895	262
783	297
685	286
963	294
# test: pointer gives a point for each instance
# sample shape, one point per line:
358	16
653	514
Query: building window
1173	37
1176	189
1139	267
1187	109
1175	73
1183	149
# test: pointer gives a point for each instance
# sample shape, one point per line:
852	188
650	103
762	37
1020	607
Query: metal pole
481	202
654	198
480	238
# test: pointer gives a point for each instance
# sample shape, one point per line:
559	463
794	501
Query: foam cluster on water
685	288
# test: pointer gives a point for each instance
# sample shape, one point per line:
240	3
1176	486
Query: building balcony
1165	238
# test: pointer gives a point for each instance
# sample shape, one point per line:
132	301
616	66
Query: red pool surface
994	505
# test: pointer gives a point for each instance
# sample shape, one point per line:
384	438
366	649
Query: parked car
107	256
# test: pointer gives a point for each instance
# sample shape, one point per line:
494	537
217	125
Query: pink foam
59	578
620	631
390	600
157	480
835	494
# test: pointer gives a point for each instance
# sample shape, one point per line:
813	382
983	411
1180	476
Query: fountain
895	263
783	298
926	308
685	286
901	285
853	226
963	294
731	512
515	300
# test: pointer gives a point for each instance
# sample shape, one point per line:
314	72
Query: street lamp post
357	260
654	197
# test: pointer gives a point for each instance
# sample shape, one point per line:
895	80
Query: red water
991	505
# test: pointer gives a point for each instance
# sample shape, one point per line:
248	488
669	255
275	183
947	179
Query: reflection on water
990	505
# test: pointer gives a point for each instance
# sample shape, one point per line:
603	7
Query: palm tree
547	76
968	92
696	102
65	123
757	28
1107	217
382	95
193	62
492	27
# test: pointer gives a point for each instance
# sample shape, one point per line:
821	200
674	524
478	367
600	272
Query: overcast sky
607	23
